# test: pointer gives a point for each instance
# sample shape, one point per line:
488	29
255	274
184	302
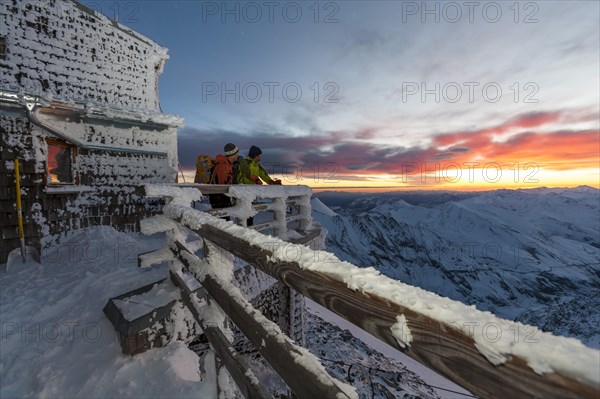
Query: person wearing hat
251	171
225	172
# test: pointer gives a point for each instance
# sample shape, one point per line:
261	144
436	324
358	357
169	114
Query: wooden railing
496	371
283	209
235	364
287	359
293	363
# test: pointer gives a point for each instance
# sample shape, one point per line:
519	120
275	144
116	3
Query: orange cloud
557	150
538	139
561	150
478	137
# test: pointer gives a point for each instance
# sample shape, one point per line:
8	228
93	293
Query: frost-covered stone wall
94	84
108	192
61	49
31	182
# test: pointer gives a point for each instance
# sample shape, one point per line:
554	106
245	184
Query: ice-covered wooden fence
235	364
285	210
489	356
294	364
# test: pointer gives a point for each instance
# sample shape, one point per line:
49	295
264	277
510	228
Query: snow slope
318	206
530	255
57	342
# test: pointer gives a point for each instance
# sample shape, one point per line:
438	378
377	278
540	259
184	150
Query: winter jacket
223	172
249	167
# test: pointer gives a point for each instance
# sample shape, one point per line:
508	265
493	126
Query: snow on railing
289	205
489	356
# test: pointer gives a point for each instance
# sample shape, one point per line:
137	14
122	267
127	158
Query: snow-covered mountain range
531	255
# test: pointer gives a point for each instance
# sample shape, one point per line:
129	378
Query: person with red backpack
225	172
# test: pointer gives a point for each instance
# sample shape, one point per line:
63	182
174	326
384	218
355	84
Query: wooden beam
218	213
440	347
274	223
279	351
237	366
207	189
155	257
308	237
264	226
258	207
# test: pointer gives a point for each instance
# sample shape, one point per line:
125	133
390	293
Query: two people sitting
232	168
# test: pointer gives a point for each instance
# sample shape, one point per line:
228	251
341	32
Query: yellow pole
20	210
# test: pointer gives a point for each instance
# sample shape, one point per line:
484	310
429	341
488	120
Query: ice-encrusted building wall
79	109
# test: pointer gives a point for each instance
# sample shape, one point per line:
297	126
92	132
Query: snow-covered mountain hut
79	108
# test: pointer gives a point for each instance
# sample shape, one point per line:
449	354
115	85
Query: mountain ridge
529	255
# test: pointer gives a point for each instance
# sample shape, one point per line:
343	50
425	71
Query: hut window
60	162
2	47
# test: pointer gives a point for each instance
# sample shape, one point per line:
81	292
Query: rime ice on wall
66	51
100	133
108	182
94	82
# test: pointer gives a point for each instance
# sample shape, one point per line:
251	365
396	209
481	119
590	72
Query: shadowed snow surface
57	342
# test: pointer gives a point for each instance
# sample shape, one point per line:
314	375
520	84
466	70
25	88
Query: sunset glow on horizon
450	180
529	154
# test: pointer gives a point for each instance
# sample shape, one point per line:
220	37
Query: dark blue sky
380	81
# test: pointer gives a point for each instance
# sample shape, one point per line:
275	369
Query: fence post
243	203
279	206
305	210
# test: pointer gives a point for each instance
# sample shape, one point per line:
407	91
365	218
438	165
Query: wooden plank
447	350
308	237
280	352
237	366
219	213
205	189
293	218
272	224
258	207
264	226
261	206
159	257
